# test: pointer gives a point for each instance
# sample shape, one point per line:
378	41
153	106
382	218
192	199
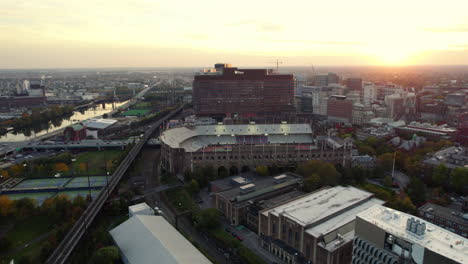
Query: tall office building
228	91
354	84
387	236
325	79
339	109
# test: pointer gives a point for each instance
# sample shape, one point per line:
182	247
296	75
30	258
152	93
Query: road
66	246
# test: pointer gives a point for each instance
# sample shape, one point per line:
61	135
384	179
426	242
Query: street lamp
107	183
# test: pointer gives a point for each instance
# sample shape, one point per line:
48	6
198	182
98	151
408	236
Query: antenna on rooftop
277	62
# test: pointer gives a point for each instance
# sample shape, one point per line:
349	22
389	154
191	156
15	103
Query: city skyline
51	34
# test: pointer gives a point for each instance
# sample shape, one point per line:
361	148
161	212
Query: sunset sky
149	33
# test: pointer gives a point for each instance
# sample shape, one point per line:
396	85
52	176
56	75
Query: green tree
222	172
207	219
312	182
105	255
460	179
365	149
261	170
440	175
417	190
6	205
386	161
193	187
387	181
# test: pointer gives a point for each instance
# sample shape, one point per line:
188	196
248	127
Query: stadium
241	147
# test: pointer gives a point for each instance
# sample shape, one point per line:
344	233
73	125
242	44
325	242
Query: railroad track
66	246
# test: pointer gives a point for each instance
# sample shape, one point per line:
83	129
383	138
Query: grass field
95	161
136	112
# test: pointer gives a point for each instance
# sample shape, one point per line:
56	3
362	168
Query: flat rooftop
149	238
262	186
342	219
320	204
445	212
436	239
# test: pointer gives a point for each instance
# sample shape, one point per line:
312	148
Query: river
96	110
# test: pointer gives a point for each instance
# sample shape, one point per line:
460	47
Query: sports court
73	194
41	183
40	197
94	181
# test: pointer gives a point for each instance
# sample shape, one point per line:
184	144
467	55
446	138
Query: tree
233	170
207	219
312	183
460	179
222	172
440	175
5	175
25	207
193	187
105	255
261	170
365	149
387	181
386	161
82	167
417	190
16	170
6	205
61	167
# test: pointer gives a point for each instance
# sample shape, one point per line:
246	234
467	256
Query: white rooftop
99	123
195	137
435	238
341	219
320	204
146	239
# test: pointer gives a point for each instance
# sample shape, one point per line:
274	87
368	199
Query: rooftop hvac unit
280	178
247	188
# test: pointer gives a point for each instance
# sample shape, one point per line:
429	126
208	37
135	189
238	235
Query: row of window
281	156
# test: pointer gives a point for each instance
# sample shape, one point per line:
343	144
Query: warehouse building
151	239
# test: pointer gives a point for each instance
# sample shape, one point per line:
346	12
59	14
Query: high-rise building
354	84
339	109
387	236
325	79
229	91
399	104
369	93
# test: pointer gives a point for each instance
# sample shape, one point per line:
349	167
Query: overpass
68	243
79	144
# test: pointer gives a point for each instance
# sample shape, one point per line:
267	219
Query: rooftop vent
415	226
247	188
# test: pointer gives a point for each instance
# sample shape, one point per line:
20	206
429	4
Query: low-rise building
75	132
150	239
234	203
452	157
451	219
317	227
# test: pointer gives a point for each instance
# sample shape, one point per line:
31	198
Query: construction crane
277	62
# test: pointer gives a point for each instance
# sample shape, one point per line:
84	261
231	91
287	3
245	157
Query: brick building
229	91
339	110
453	220
75	132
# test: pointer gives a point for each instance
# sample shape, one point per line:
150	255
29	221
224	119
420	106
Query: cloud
455	29
260	26
321	42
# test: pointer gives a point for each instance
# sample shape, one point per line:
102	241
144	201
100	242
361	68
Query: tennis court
94	181
40	183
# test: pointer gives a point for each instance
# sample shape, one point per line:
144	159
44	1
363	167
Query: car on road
239	238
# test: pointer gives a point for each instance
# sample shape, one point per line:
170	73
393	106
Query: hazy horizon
94	34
